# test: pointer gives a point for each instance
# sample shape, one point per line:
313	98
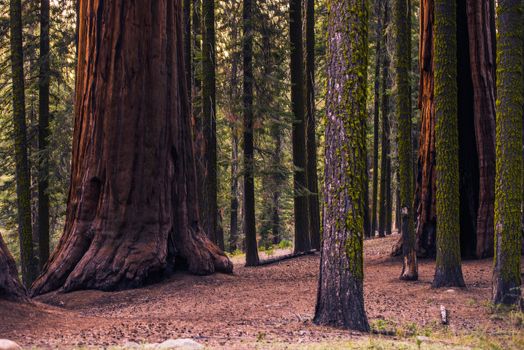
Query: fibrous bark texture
340	300
10	286
508	190
448	270
402	67
476	118
482	63
132	212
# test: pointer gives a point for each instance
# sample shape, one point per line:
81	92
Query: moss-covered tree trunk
402	67
249	181
376	116
311	143
43	134
23	181
475	45
448	270
340	300
508	191
10	286
298	133
132	211
210	214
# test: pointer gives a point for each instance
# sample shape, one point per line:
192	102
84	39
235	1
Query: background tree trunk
376	113
43	134
403	111
300	184
341	267
187	46
312	178
10	286
382	214
249	182
132	210
507	278
448	270
23	181
209	218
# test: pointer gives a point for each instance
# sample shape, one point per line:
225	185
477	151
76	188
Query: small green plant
285	244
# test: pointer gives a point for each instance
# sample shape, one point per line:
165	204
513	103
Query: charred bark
132	211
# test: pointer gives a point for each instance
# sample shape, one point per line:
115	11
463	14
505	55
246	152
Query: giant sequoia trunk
476	91
10	286
132	210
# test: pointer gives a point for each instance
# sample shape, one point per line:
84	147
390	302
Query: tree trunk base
448	278
129	264
10	286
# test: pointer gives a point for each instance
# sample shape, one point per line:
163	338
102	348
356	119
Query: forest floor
272	307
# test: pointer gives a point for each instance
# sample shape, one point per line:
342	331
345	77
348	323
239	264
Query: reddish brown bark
10	286
425	184
132	210
476	129
481	50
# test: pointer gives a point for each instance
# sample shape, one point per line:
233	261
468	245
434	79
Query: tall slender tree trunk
209	123
312	178
233	222
277	182
23	181
376	114
300	184
43	134
10	286
340	300
403	111
249	181
382	214
448	270
507	278
132	211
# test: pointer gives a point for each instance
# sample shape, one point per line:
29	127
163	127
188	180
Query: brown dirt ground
264	305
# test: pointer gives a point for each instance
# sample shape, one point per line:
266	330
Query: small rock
131	345
450	291
6	344
182	344
422	338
